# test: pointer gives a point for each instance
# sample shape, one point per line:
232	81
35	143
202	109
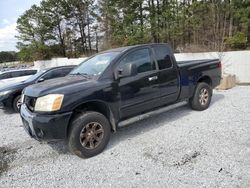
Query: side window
66	71
5	76
17	74
56	73
24	73
141	58
51	74
163	58
29	72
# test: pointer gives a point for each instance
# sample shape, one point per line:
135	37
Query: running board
150	114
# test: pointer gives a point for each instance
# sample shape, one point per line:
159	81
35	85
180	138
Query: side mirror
40	80
126	71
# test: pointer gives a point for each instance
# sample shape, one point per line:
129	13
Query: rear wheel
89	134
202	97
17	103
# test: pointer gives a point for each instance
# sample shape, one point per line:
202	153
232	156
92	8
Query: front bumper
45	127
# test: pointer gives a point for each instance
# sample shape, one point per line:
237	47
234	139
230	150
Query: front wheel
89	134
202	97
17	103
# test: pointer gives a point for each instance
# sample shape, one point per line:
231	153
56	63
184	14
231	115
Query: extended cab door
140	92
168	73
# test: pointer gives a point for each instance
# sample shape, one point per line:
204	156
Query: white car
14	76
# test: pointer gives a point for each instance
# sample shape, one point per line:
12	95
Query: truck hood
64	85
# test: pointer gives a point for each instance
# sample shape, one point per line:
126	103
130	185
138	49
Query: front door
141	92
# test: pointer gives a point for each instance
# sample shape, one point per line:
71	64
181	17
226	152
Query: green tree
75	27
8	56
35	30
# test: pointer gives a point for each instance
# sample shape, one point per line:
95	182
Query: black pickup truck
115	85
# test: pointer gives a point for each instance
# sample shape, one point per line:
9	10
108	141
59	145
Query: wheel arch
11	98
98	106
205	79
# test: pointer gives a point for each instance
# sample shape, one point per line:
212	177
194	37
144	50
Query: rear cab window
162	56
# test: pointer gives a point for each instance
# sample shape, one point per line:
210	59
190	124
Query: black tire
15	103
197	101
83	123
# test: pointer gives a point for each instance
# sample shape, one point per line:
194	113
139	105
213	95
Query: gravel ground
177	148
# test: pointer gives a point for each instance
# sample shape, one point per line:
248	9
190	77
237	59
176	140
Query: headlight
4	92
49	103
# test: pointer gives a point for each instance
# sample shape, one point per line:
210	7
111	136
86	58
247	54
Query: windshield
35	76
96	65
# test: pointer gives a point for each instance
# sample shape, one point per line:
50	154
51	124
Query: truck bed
196	62
190	71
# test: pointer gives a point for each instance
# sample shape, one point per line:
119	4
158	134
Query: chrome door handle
153	78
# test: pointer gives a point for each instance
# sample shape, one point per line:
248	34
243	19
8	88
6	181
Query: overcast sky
10	10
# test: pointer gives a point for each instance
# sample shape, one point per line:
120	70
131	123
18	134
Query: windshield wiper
81	74
78	73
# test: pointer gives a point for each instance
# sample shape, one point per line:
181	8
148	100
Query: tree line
72	28
8	56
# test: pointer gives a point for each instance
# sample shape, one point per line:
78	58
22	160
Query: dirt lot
177	148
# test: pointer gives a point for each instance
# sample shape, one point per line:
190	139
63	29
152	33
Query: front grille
30	102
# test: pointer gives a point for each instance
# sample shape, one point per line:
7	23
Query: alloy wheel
91	135
203	96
